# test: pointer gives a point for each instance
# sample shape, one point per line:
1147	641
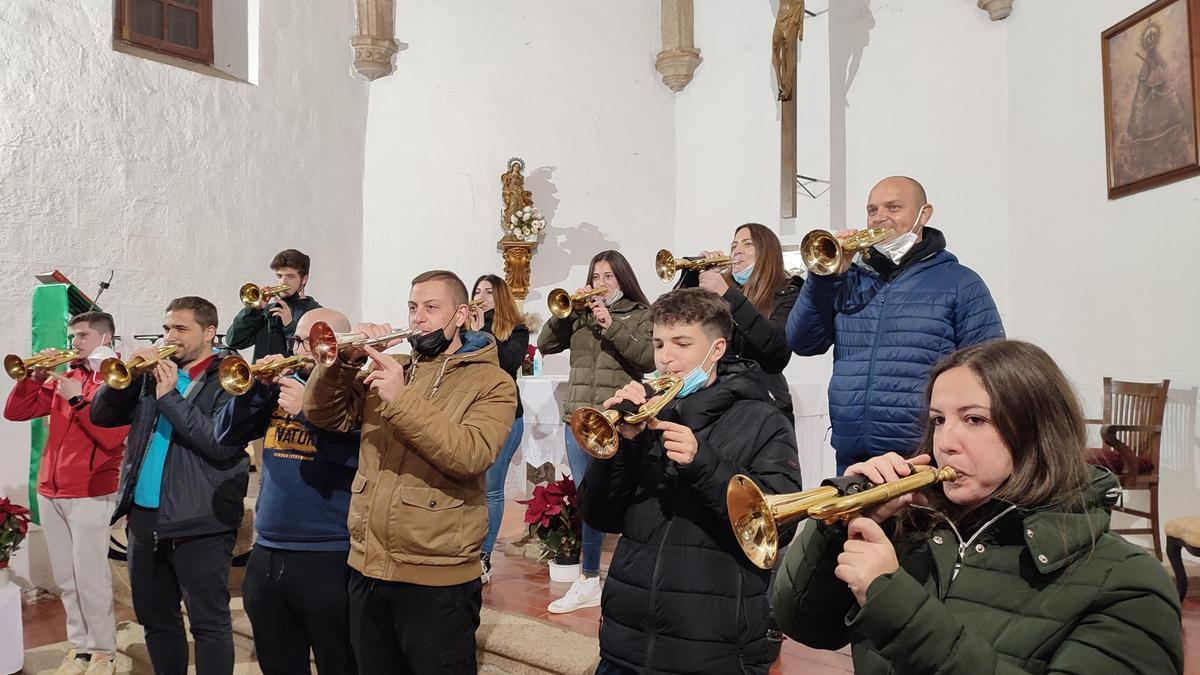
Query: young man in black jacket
680	596
269	325
182	491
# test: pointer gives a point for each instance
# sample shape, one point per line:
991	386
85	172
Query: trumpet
19	368
596	430
119	374
325	345
474	304
824	253
236	376
756	518
562	303
252	294
666	265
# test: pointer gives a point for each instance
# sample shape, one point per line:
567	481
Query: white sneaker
584	592
101	664
71	665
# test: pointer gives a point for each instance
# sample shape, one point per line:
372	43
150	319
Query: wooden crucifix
789	28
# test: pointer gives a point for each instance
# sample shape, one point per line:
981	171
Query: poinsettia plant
14	525
553	517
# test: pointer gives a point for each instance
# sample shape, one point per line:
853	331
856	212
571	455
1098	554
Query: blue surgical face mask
694	380
897	248
743	276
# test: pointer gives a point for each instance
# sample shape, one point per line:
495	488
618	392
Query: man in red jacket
77	486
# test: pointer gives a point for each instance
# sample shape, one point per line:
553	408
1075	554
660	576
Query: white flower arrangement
527	223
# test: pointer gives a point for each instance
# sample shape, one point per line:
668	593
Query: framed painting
1151	66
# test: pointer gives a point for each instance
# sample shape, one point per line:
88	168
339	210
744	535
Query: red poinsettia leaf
554	510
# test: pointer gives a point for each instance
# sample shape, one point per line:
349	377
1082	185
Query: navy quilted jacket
886	336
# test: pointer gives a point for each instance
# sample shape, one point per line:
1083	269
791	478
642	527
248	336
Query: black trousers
298	601
407	629
194	570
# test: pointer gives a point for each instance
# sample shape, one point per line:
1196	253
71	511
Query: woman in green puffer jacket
610	345
1011	568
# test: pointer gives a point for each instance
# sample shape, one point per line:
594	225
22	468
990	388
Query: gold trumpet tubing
275	367
474	304
849	507
866	238
702	264
580	299
666	387
19	368
251	294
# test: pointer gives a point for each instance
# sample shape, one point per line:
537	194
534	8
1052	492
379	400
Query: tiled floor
522	586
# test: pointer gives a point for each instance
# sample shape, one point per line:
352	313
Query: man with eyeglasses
295	590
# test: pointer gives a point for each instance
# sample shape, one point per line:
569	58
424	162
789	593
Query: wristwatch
75	402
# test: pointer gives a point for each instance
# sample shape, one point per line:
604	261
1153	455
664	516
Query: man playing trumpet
295	587
182	491
77	489
431	425
272	322
889	319
679	595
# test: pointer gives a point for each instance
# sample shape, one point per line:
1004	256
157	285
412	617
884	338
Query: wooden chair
1131	431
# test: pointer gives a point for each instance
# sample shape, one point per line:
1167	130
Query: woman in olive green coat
610	345
1011	568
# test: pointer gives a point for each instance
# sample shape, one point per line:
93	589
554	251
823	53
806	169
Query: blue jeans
593	539
495	483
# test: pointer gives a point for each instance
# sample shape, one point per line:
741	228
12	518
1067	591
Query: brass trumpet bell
252	294
596	430
237	376
666	264
824	253
325	345
19	368
119	374
757	518
562	303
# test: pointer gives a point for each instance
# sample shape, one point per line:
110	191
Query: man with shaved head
296	579
890	315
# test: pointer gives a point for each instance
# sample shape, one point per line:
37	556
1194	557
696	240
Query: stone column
996	9
375	42
679	58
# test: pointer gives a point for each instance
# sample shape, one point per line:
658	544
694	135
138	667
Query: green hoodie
1043	590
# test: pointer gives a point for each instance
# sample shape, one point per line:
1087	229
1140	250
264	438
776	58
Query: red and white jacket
80	459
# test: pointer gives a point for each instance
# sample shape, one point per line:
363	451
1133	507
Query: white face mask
98	355
897	248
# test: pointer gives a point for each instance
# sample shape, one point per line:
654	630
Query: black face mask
432	343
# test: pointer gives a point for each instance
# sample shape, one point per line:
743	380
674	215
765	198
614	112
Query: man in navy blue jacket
889	317
296	578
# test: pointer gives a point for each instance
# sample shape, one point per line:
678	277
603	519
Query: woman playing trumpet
496	313
1009	568
760	294
610	345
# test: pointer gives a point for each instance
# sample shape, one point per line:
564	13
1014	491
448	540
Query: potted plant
14	525
553	517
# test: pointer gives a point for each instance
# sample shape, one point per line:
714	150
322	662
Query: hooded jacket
681	597
417	509
1042	590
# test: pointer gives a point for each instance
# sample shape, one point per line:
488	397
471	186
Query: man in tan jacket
431	426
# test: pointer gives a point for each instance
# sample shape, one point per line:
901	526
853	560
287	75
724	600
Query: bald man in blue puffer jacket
890	317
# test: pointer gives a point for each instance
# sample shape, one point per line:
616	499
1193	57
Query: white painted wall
570	87
1107	287
183	183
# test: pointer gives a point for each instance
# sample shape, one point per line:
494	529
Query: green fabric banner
51	310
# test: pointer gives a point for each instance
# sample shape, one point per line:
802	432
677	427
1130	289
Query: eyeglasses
296	341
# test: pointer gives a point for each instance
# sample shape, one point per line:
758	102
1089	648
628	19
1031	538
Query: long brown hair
630	288
1037	414
505	315
768	275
